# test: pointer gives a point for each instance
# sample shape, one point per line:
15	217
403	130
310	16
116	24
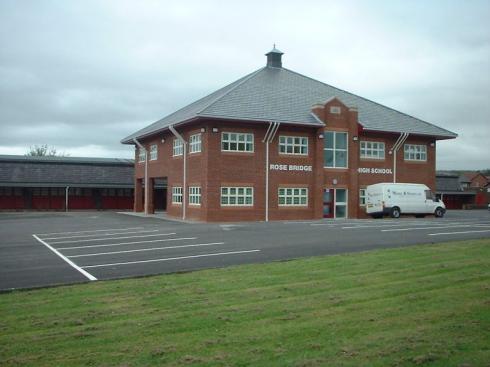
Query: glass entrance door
335	203
328	201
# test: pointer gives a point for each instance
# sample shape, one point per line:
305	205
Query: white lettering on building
376	171
290	167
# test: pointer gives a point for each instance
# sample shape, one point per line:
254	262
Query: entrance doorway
335	203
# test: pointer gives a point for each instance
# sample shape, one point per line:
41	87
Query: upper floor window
178	147
372	150
335	151
195	143
293	145
153	152
237	142
415	152
141	155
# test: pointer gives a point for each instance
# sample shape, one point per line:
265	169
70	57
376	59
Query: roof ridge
244	79
367	99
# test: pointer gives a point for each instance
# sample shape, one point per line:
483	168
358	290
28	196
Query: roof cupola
274	57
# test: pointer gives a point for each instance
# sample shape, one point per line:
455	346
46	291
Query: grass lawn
420	305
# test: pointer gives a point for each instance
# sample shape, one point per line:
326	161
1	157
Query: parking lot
41	249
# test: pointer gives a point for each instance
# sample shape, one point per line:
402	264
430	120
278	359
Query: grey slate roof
448	183
282	95
66	171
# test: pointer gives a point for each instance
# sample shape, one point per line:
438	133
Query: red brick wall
211	169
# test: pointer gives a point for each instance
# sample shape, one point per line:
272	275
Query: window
335	109
153	152
335	151
372	150
141	155
415	152
237	196
178	147
195	143
293	197
237	142
293	145
176	195
194	195
362	197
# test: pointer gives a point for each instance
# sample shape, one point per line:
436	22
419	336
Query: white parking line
111	238
171	258
99	234
71	263
447	233
409	224
147	249
90	231
128	243
423	228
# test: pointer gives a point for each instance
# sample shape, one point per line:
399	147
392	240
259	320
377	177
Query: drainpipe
184	184
146	173
269	136
67	188
403	137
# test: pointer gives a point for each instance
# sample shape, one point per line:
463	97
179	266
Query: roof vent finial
274	58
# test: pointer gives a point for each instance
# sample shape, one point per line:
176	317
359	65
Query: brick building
278	145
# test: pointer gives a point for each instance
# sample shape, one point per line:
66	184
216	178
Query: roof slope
65	171
279	94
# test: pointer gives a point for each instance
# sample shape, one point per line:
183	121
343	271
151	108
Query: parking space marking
112	238
99	234
128	243
148	249
71	263
437	227
171	258
463	232
93	230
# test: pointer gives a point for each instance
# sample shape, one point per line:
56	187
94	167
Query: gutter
399	142
269	136
146	173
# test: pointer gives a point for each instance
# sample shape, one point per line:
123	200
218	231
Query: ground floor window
194	195
362	197
177	195
335	203
237	196
293	196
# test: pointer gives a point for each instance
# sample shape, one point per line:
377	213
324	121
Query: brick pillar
151	204
318	171
138	195
353	195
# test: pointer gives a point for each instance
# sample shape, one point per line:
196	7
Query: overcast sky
81	75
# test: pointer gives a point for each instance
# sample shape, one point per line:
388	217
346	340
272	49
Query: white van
395	199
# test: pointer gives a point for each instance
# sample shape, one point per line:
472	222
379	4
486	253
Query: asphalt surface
45	248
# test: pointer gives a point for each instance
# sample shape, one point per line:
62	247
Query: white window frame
178	147
362	197
177	196
195	195
334	149
141	155
153	152
195	143
247	139
372	150
292	196
232	193
293	143
412	150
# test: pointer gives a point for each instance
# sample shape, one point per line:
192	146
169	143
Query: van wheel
395	212
439	213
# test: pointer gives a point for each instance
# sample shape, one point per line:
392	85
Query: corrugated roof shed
66	171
